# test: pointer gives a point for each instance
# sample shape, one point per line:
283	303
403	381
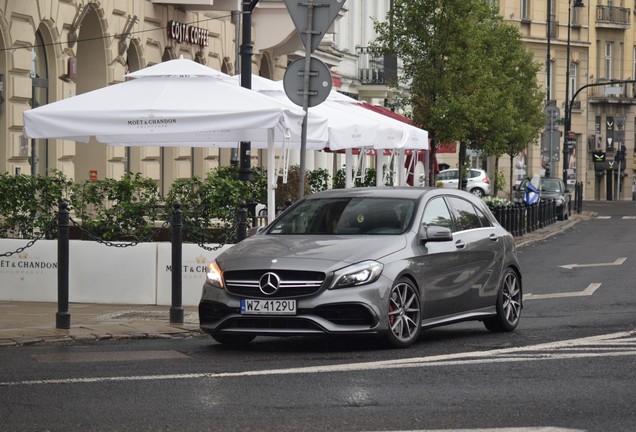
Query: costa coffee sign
187	33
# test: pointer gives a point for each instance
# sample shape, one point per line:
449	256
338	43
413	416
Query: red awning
387	112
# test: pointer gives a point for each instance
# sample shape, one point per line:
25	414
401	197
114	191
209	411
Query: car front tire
477	192
508	304
404	314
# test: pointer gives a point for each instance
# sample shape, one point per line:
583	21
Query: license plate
268	307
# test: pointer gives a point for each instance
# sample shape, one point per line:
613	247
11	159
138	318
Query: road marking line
604	217
629	217
618	261
586	292
560	350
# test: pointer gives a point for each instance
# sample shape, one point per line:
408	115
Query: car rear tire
404	314
233	340
477	192
508	304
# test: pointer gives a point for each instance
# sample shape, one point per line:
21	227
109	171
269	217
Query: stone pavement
28	323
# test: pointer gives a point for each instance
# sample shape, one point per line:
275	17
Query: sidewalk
28	323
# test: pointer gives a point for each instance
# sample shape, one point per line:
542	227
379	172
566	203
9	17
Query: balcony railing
612	15
370	66
612	91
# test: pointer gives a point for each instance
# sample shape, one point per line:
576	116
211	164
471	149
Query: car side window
485	220
436	213
465	214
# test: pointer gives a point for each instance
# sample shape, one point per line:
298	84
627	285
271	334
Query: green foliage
117	209
339	179
318	180
500	181
131	208
209	205
289	190
470	78
28	204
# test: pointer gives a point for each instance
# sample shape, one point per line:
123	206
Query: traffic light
620	154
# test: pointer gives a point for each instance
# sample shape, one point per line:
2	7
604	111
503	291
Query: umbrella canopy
187	109
176	103
317	125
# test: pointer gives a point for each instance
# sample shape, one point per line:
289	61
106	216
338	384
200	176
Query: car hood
321	253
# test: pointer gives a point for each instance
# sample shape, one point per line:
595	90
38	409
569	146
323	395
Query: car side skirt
475	315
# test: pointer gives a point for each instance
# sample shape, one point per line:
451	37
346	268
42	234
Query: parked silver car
384	261
477	183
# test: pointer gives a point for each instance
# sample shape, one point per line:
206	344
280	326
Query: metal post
245	170
176	310
306	78
241	227
547	64
62	317
568	109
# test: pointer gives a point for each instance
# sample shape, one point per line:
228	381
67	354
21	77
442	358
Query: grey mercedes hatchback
383	261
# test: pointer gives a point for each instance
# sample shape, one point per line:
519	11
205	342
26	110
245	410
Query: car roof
387	192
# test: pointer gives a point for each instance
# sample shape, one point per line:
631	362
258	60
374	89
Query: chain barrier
91	236
229	234
31	242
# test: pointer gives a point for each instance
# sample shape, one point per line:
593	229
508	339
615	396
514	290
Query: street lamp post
566	134
246	51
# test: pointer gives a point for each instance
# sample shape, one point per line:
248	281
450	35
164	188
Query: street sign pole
314	72
306	77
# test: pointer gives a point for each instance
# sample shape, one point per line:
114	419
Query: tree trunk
511	173
462	161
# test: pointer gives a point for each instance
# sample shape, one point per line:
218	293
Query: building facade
599	39
60	48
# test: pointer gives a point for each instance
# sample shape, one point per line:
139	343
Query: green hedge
132	208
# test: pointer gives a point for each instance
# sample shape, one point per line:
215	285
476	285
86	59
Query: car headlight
357	274
215	275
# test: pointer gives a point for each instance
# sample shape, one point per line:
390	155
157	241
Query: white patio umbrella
182	105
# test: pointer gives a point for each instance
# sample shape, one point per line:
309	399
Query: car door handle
494	237
460	244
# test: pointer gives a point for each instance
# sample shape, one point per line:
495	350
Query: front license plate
268	307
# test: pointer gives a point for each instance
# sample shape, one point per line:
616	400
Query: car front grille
273	324
293	283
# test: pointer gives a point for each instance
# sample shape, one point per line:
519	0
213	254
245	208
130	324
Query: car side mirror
435	233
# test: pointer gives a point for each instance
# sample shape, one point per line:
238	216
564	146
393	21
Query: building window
573	81
525	9
608	60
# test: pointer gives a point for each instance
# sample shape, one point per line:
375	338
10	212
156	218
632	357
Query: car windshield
548	185
347	216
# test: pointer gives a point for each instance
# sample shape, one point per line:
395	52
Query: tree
466	71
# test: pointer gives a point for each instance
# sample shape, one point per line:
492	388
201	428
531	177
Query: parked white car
478	181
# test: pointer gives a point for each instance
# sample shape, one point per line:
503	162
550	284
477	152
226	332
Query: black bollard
62	317
241	226
176	310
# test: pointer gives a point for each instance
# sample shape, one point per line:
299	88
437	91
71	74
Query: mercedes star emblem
269	283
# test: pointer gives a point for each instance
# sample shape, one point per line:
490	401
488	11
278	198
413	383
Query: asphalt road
569	366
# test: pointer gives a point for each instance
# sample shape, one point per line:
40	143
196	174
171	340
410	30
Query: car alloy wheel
404	314
508	304
477	192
